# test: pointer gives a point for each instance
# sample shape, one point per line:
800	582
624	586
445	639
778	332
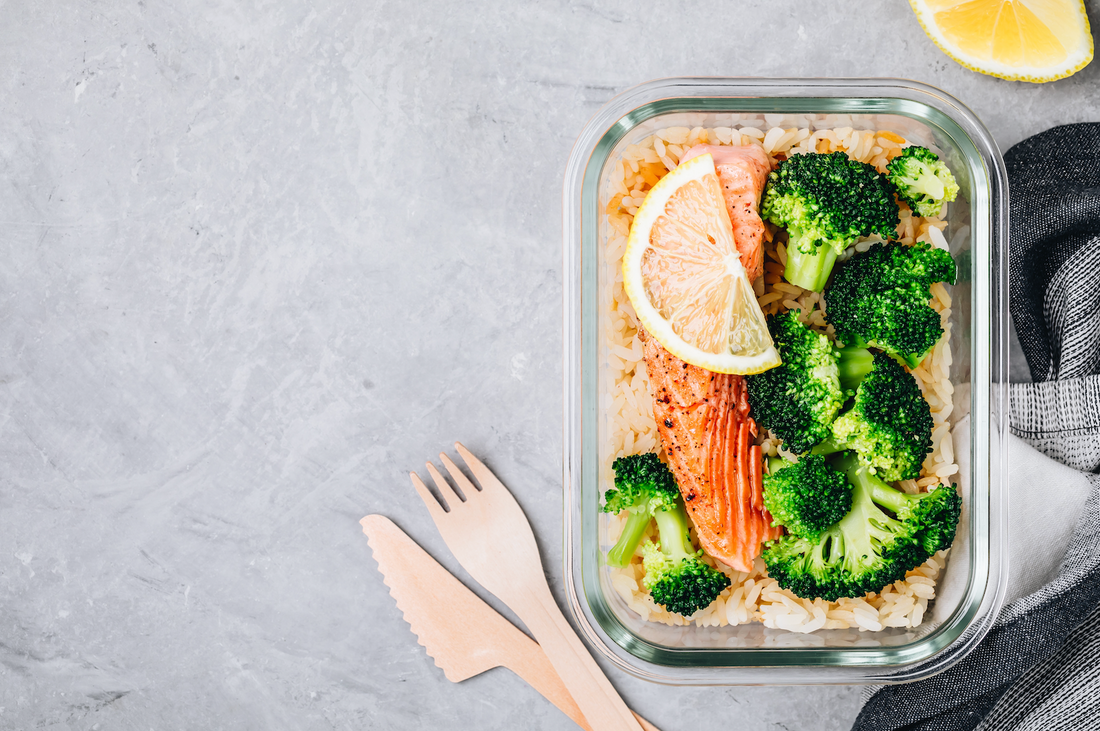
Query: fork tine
430	502
484	475
457	475
441	484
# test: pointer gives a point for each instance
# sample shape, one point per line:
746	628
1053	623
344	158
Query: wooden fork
488	533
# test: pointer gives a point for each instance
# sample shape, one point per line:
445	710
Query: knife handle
527	660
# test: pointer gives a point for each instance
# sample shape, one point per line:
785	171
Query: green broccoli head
643	486
682	586
806	497
640	479
880	297
937	512
675	576
799	398
826	202
868	549
889	425
922	180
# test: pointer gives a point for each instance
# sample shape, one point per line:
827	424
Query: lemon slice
684	277
1018	40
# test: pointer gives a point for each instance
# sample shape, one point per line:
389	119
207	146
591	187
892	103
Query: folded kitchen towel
1039	666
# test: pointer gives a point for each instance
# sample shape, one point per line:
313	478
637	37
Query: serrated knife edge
411	576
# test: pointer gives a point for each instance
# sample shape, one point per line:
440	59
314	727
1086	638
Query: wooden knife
463	634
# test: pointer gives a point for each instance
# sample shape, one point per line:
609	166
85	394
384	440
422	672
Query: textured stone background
263	258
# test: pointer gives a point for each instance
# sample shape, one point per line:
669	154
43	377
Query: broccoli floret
880	297
826	202
674	574
922	180
889	425
798	399
868	549
806	497
643	486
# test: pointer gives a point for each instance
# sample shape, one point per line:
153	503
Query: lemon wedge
684	277
1018	40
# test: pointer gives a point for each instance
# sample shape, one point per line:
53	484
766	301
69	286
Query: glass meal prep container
970	590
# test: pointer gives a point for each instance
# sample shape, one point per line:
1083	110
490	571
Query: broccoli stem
879	492
777	463
913	360
928	183
860	529
886	496
869	495
623	550
829	446
854	362
856	351
848	463
672	525
809	271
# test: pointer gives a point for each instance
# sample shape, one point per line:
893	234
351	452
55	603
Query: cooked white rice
625	395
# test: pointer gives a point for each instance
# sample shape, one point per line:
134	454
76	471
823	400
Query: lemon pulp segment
1028	40
684	277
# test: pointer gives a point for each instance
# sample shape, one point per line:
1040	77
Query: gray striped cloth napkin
1038	669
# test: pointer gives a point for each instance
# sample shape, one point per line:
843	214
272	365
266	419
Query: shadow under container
971	589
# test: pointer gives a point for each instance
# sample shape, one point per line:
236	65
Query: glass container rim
859	96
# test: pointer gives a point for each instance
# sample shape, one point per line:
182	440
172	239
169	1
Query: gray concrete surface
261	259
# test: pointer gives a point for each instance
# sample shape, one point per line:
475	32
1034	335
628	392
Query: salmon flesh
707	434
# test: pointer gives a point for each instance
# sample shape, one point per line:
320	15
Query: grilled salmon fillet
742	173
707	433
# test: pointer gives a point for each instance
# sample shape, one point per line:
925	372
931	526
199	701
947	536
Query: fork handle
597	699
527	660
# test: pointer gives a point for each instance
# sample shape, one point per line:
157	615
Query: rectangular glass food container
971	590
